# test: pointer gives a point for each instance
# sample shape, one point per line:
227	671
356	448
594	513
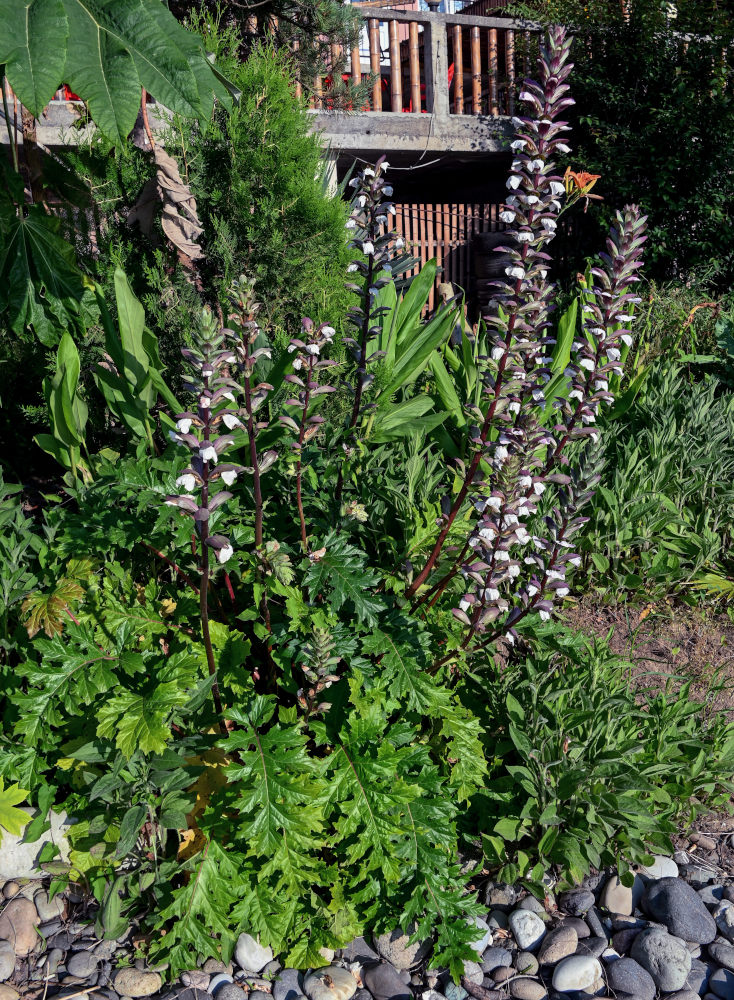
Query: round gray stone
497	920
557	944
722	954
627	976
683	995
527	989
676	904
82	964
384	983
527	928
723	917
665	957
501	895
288	985
532	904
526	963
711	895
330	983
593	946
48	909
134	983
473	973
396	948
698	977
7	960
615	897
484	934
662	867
579	925
249	954
218	981
359	951
576	902
231	991
495	958
596	926
722	984
578	972
452	991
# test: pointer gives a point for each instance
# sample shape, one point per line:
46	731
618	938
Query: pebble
527	928
83	964
7	960
616	897
359	951
665	957
495	958
190	993
697	875
662	867
729	891
683	995
579	925
288	985
722	954
723	917
274	967
136	983
501	895
197	979
503	974
596	927
8	993
526	963
482	942
48	909
711	895
527	989
452	991
53	960
593	946
473	973
622	940
250	954
722	984
557	944
576	973
627	976
331	983
677	905
497	920
18	922
698	977
105	950
219	980
213	965
704	842
10	889
576	902
233	991
396	948
532	904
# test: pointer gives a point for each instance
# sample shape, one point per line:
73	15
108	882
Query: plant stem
256	486
11	136
204	585
174	566
144	113
299	470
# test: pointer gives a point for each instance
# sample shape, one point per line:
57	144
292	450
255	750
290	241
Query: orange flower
582	181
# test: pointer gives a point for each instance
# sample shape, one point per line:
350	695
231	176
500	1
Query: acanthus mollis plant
200	430
308	363
515	560
375	243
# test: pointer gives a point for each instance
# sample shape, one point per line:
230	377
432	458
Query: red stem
174	566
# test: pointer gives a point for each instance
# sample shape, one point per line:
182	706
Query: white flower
487	534
174	437
518	144
538	488
327	332
576	394
391	210
352	268
532	199
350	224
513	571
381	219
598	331
354	182
208	453
313	349
229	396
625	319
507	216
205	402
361	201
184	425
562	592
502	556
509	520
500	453
575	560
231	421
601	385
549	224
226	552
491	594
514	182
554	574
537	164
556	187
368	247
464	605
538	396
292	347
516	166
368	172
588	364
525	237
297	364
387	191
515	272
588	418
522	535
544	615
626	339
525	482
613	353
497	353
385	166
563	148
387	269
399	243
187	482
511	200
544	272
229	476
514	406
532	590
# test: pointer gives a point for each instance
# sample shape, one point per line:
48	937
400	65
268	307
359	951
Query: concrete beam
386	132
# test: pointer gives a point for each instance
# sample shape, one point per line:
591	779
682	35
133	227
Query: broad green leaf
33	47
342	577
446	390
140	722
11	819
404	665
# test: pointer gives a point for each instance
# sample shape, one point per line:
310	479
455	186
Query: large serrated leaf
33	48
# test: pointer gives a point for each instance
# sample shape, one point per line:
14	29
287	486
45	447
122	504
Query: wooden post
510	69
415	68
299	88
476	72
435	48
318	92
492	52
396	83
356	66
374	37
458	71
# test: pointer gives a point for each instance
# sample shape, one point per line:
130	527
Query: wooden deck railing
439	64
